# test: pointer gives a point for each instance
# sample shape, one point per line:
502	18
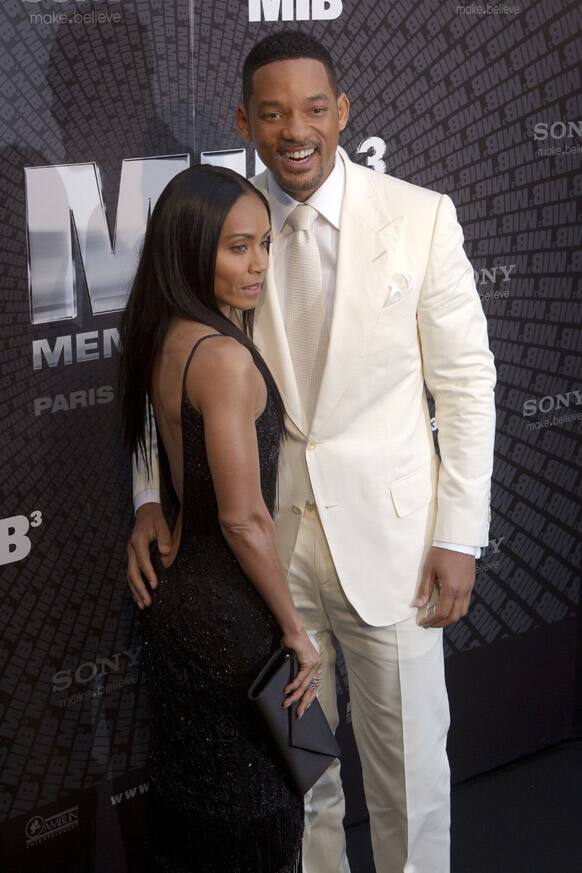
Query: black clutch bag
307	745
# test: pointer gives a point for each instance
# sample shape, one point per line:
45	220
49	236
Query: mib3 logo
15	544
61	197
65	203
294	10
65	210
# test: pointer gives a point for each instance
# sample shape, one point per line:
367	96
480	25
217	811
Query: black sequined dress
219	799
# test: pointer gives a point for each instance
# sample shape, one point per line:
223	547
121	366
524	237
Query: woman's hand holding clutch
306	683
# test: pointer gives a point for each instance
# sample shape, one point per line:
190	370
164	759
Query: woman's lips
252	290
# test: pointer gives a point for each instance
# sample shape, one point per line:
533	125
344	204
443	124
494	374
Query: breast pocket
395	311
397	307
394	336
399	285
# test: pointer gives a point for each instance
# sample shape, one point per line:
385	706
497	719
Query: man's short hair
284	46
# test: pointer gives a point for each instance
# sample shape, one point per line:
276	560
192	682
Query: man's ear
343	110
242	122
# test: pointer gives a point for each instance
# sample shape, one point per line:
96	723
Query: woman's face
243	255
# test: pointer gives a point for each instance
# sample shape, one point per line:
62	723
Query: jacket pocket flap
414	490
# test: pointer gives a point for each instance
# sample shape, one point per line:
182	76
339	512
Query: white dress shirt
327	201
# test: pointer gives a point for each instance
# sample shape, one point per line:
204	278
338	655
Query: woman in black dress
221	801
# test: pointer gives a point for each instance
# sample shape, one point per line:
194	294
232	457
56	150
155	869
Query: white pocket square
399	285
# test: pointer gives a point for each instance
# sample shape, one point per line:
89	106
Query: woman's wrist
293	628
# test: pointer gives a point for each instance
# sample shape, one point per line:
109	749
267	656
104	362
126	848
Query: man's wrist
475	551
143	497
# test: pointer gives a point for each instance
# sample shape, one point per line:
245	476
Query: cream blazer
406	313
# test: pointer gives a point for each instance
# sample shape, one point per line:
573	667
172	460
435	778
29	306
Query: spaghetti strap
194	347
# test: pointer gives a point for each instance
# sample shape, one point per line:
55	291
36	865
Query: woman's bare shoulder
222	363
182	335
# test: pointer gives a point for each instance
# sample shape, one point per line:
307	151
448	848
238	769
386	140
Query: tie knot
302	217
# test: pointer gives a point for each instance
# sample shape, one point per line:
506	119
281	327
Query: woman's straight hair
175	279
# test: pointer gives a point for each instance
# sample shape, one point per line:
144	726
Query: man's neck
327	198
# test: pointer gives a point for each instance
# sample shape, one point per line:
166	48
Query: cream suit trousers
400	718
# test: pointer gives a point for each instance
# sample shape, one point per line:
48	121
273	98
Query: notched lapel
368	247
270	337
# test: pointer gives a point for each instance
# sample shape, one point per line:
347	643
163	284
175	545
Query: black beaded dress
219	799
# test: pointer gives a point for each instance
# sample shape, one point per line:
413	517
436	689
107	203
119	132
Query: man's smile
294	159
298	154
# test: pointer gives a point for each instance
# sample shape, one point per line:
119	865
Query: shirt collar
327	199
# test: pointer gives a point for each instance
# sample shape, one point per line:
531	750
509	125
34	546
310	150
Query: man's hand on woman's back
150	526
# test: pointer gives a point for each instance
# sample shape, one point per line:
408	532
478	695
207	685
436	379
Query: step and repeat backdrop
101	103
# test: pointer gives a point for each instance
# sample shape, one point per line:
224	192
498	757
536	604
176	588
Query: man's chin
298	183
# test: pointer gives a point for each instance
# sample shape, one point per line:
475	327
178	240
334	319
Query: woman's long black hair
175	279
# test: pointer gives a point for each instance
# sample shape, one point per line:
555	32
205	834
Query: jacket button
296	509
311	444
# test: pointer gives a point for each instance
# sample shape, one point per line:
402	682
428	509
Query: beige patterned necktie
307	330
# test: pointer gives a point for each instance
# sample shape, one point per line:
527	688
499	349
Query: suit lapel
270	336
369	236
271	339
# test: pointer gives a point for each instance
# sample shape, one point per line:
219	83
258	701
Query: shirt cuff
145	497
455	547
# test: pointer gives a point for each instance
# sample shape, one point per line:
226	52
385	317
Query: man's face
294	118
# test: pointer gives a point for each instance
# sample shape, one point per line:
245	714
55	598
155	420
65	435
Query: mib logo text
294	10
15	543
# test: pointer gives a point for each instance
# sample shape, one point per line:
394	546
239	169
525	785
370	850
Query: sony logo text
294	10
551	402
88	671
557	130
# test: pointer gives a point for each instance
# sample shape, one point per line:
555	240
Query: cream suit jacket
406	312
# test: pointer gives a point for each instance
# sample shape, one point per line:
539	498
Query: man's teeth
296	156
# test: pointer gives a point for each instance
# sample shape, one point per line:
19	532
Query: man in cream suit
368	297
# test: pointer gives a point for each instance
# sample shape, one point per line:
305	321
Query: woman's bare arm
226	387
